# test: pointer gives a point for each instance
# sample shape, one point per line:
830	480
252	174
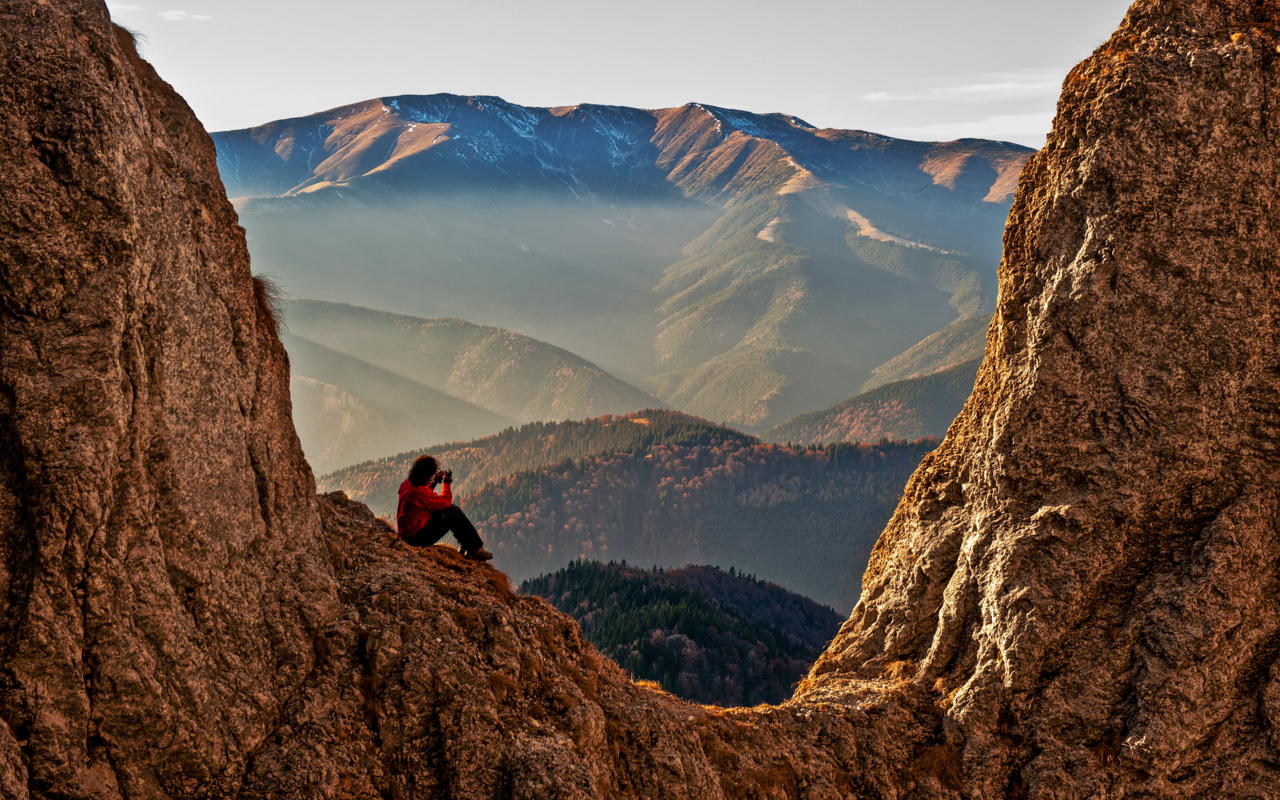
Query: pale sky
916	69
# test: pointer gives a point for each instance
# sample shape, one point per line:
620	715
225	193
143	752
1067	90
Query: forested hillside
704	634
536	444
805	518
661	487
906	409
963	340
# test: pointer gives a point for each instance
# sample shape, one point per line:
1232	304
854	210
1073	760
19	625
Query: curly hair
423	470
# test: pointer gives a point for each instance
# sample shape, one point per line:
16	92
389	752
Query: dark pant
442	522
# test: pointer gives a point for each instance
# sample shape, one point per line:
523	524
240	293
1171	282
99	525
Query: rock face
1086	570
158	564
1077	597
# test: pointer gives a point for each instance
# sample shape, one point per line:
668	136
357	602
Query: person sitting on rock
424	517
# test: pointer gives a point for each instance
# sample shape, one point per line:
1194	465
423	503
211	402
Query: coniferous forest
704	634
803	517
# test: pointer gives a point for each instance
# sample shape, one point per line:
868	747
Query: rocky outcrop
1077	597
437	681
183	618
158	564
1086	572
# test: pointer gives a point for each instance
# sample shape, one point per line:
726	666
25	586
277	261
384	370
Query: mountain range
742	267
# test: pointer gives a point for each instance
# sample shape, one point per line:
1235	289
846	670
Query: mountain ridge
743	267
532	445
439	379
616	129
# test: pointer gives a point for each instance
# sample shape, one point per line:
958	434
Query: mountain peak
522	145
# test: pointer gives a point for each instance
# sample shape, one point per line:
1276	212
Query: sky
918	69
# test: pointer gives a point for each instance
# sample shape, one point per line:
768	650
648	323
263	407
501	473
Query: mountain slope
349	409
963	340
369	383
905	409
536	444
703	634
803	518
511	375
744	267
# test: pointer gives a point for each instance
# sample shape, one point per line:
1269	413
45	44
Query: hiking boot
479	554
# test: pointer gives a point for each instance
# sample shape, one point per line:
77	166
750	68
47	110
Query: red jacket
416	505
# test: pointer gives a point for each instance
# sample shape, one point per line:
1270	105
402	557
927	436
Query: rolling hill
742	267
346	409
804	518
905	409
532	445
706	635
368	383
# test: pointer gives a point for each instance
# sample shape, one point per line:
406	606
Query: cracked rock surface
1088	569
157	564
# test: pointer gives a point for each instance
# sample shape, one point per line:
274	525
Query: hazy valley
741	267
817	286
368	384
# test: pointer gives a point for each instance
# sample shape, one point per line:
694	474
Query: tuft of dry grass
1108	752
270	299
501	686
940	762
499	583
470	621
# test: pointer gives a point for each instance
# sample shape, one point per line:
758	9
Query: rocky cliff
1086	571
1077	597
158	565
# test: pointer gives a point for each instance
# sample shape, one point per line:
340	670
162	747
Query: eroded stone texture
1088	569
437	681
158	565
